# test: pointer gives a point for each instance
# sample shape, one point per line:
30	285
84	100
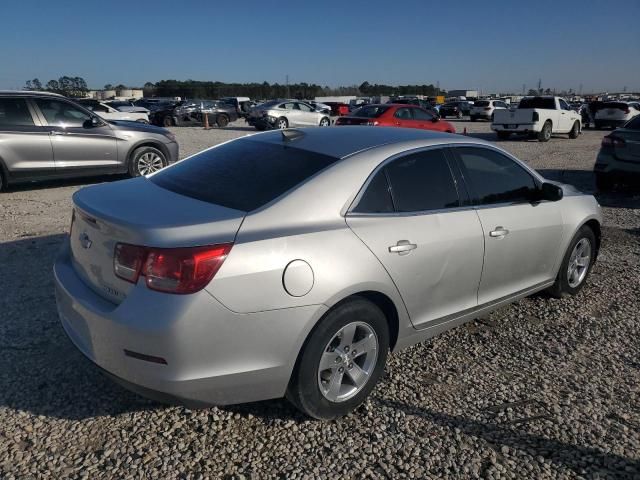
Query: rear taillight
372	123
535	117
171	270
611	141
626	111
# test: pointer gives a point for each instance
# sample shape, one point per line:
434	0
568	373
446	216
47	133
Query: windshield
243	175
481	103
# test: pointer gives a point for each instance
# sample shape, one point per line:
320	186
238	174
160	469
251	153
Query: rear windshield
243	175
481	103
370	112
633	124
538	102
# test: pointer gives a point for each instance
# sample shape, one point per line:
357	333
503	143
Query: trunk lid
139	212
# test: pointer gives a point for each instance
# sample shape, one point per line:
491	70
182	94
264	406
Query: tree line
67	86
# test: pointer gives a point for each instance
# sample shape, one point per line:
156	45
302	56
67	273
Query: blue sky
490	45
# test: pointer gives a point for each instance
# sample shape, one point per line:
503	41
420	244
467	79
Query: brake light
535	117
611	141
626	111
373	123
171	270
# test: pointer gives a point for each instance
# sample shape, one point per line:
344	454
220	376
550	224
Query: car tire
282	123
167	121
598	125
3	184
576	264
325	122
575	131
146	160
503	135
222	121
605	182
331	392
260	128
545	134
491	118
473	119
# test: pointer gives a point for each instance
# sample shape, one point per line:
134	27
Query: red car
396	115
338	108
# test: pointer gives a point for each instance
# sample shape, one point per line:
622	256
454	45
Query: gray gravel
544	388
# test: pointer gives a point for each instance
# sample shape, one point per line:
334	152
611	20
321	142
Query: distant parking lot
544	388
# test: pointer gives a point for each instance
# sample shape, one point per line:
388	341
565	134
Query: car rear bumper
516	128
211	355
486	116
607	162
609	122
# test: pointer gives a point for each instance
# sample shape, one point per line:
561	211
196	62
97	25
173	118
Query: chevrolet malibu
290	263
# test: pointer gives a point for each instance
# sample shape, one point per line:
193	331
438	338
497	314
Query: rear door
566	117
76	146
521	238
412	218
293	114
308	116
25	147
403	117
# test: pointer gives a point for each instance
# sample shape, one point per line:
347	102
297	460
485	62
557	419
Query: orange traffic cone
206	121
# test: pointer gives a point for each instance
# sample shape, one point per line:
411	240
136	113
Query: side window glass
403	114
422	181
305	108
377	197
419	114
61	114
14	112
494	177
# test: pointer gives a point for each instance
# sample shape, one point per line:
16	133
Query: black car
195	113
455	109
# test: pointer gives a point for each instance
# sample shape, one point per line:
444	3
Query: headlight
170	136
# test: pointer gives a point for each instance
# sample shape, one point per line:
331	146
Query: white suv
485	108
615	114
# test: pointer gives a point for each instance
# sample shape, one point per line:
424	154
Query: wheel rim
149	162
579	262
282	124
347	362
547	132
324	122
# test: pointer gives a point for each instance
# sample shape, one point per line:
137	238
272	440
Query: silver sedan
291	263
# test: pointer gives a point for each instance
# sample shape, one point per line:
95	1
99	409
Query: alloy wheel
149	162
579	262
282	124
347	362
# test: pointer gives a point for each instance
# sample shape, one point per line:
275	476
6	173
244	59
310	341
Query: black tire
491	118
575	131
545	134
304	388
473	119
503	135
3	184
260	128
281	123
222	120
325	122
605	182
137	161
443	116
167	121
562	286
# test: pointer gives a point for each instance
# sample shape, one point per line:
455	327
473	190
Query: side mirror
92	122
551	192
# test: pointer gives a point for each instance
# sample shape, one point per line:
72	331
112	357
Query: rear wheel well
387	306
594	225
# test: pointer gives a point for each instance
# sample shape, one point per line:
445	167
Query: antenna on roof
290	134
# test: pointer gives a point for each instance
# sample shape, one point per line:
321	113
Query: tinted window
243	175
419	114
422	181
481	103
377	198
61	114
494	177
370	111
633	124
564	105
403	113
15	113
538	102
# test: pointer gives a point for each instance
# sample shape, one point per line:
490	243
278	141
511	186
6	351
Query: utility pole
437	87
539	85
287	82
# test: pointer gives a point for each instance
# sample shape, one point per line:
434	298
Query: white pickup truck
538	117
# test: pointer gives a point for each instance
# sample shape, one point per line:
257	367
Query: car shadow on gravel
584	461
41	372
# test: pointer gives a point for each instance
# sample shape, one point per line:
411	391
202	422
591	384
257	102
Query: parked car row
194	113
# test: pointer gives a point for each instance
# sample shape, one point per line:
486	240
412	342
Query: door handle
499	232
56	132
403	247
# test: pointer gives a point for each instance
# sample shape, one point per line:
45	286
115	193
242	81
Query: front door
410	217
25	147
521	237
75	144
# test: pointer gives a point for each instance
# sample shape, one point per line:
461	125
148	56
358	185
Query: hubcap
324	123
347	362
148	163
579	262
282	124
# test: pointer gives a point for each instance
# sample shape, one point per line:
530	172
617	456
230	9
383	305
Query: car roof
27	93
341	142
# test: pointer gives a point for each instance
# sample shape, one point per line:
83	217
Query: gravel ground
544	388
